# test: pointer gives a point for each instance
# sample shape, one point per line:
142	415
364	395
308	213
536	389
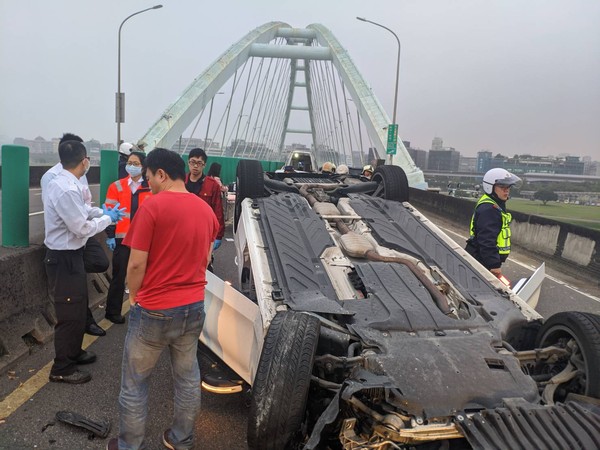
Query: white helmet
342	169
125	148
498	176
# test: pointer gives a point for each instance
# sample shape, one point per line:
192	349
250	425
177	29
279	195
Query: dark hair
167	160
214	170
140	155
71	153
198	153
69	137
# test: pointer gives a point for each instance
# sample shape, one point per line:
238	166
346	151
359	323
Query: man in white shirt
94	257
69	223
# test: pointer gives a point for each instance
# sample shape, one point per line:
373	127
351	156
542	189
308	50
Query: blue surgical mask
134	171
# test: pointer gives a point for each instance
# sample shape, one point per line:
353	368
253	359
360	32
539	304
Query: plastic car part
99	428
580	333
282	381
249	184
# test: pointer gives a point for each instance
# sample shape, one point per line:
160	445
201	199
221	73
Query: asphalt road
28	402
220	425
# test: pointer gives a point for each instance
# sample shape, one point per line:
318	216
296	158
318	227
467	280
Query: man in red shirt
207	188
170	250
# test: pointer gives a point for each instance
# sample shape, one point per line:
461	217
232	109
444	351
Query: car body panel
232	328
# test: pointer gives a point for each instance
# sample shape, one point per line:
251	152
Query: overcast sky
511	76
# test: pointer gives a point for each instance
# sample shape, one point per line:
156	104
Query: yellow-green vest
503	240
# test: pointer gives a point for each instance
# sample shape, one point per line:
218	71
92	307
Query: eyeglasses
195	163
134	163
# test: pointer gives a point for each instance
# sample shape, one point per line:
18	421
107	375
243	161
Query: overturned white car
361	325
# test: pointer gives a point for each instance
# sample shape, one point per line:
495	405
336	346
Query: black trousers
95	261
116	290
67	285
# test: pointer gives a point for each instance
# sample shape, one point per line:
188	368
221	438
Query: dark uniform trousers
95	261
116	290
67	285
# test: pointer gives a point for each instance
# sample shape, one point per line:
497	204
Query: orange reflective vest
120	192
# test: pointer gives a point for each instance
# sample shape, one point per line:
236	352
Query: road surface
28	402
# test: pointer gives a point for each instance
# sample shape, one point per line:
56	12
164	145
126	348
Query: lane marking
530	267
32	386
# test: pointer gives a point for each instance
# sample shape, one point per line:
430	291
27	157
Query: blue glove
115	213
111	243
217	244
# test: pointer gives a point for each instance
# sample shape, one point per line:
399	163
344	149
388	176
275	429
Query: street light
397	69
120	97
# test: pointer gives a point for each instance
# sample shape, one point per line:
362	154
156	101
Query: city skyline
495	75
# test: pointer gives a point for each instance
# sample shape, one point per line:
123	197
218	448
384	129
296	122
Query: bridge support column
15	196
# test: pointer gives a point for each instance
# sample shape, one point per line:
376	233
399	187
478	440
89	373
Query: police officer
489	241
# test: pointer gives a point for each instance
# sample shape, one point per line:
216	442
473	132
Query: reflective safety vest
120	192
503	240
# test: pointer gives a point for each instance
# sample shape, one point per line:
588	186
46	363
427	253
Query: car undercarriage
376	331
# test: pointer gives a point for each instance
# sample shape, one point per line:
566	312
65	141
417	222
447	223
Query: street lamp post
120	97
397	69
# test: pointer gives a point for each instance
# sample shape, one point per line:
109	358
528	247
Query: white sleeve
94	212
71	209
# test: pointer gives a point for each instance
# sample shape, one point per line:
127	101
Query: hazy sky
511	76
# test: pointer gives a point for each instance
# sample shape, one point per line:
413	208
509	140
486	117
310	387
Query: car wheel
282	381
393	184
580	333
249	184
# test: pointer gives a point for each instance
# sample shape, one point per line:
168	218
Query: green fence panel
109	171
15	196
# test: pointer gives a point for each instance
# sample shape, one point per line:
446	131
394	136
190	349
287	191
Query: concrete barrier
571	248
26	313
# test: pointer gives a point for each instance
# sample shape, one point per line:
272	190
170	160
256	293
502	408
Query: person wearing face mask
94	256
130	192
69	222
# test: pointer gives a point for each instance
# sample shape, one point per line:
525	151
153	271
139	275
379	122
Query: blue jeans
149	333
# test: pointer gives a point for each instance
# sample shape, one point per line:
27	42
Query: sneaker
165	439
77	377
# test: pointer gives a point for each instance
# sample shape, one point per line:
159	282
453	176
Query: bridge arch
305	45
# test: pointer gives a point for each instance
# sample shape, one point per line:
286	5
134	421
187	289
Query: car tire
393	184
249	184
281	385
584	328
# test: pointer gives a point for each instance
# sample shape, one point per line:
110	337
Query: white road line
527	266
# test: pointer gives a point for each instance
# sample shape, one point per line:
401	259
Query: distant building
184	145
484	161
520	164
418	156
443	160
437	143
467	164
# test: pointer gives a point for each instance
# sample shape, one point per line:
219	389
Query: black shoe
165	439
86	358
116	319
95	330
77	377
